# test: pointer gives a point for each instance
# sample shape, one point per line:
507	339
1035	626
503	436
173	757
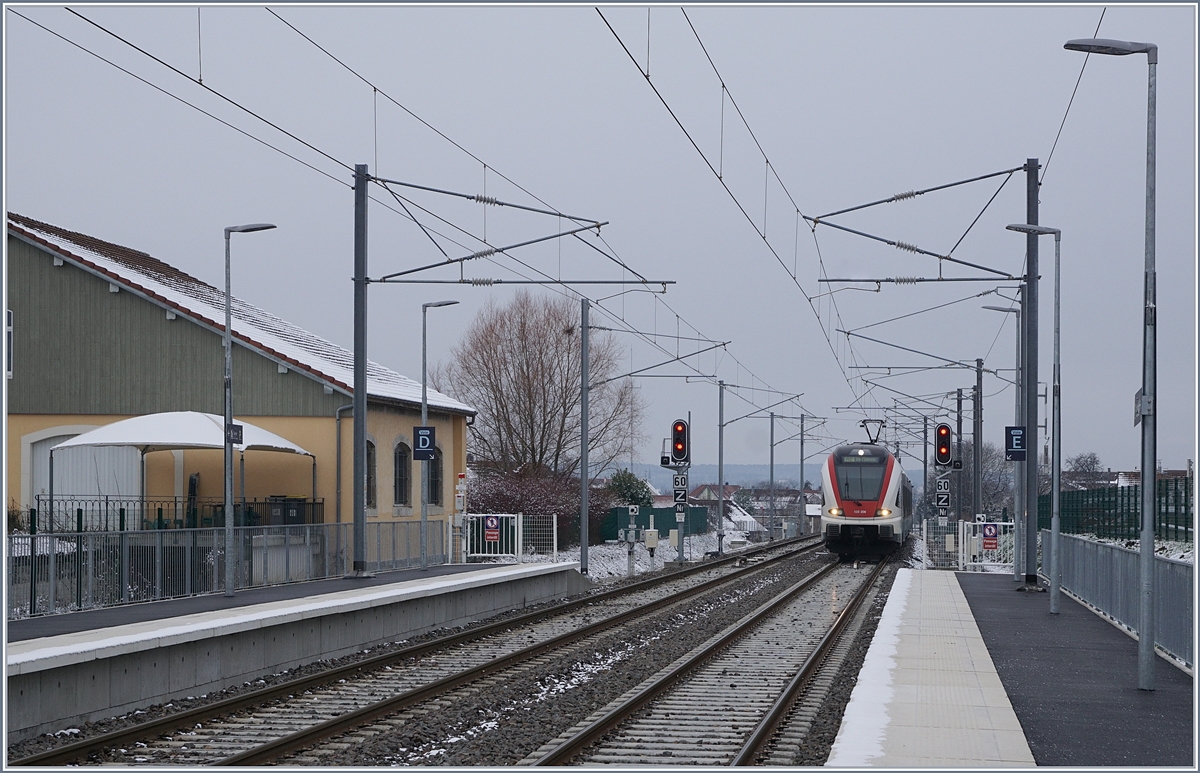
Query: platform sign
424	443
1014	444
491	529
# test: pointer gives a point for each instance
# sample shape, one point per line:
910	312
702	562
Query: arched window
371	475
435	478
402	475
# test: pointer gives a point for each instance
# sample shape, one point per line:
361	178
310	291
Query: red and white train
868	501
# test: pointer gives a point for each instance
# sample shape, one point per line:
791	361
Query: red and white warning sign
491	528
990	539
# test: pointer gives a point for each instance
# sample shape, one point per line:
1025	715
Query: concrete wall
56	683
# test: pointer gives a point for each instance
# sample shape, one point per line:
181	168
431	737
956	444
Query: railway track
726	702
293	714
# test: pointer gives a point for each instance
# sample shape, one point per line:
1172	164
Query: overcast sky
850	105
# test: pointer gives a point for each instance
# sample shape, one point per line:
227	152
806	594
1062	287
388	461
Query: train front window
860	478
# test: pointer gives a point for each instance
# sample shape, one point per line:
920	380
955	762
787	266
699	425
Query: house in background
101	332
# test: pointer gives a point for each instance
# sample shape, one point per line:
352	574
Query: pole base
359	574
1030	588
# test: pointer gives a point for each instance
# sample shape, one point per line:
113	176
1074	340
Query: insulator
905	246
903	196
481	282
483	253
906	280
487	200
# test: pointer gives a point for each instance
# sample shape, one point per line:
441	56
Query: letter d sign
423	443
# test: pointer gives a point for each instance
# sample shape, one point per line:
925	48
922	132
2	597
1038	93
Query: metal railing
55	572
516	536
1108	578
105	513
1116	512
986	546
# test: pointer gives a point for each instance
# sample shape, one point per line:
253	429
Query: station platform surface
965	671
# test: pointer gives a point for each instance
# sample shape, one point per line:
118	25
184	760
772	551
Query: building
101	332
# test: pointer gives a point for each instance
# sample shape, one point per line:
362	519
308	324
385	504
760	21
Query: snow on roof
260	330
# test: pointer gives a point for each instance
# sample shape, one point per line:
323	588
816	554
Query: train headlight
835	511
882	512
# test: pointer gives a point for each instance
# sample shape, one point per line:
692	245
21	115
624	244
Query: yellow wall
270	473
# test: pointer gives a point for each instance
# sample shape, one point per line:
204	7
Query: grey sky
851	104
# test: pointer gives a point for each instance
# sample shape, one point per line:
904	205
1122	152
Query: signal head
941	447
680	451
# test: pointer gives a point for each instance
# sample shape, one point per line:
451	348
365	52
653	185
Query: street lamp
1146	408
1019	471
241	229
1056	428
425	307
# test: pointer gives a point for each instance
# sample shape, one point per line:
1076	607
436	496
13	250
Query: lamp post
1056	420
1146	408
425	307
228	342
1019	471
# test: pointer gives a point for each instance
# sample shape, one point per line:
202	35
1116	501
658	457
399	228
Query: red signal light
679	442
941	450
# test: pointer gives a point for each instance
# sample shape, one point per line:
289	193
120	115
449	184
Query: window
371	475
402	475
435	478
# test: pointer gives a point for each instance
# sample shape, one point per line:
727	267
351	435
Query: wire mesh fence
1116	512
512	536
67	571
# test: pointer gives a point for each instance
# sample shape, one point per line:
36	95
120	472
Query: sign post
680	479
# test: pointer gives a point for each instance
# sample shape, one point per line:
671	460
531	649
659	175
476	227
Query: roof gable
258	329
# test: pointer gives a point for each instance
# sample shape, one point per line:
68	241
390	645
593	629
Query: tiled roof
256	328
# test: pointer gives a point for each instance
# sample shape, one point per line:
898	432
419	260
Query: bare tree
1086	471
519	366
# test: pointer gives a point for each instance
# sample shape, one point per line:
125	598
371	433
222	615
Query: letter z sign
423	443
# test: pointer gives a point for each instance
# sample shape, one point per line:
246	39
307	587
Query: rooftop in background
254	327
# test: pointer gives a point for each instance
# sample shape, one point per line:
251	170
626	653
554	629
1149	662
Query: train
868	501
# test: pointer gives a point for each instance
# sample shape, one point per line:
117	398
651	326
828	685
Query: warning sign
491	529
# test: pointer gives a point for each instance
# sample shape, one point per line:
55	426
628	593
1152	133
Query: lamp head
248	228
1029	228
1113	47
435	304
1001	308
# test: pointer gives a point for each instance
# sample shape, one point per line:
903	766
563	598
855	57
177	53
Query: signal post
679	459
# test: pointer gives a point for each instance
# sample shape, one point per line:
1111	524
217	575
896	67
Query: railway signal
941	447
680	450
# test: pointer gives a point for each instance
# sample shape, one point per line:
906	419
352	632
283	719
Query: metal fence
66	571
1109	578
986	546
516	536
1116	513
941	543
104	513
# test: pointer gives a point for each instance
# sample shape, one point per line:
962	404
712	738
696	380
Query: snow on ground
609	562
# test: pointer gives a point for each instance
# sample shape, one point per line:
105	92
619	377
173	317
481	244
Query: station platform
63	670
965	671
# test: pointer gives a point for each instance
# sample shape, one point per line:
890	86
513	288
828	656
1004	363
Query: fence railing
511	535
47	573
1116	513
104	513
1109	578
